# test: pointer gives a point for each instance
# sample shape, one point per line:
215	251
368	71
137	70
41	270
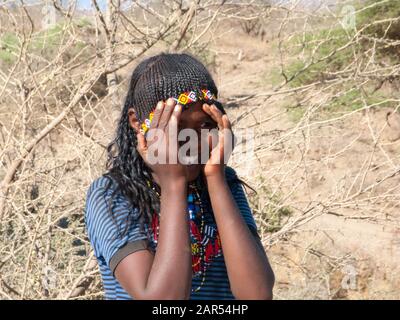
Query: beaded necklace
205	240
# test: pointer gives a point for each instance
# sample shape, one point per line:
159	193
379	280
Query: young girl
172	230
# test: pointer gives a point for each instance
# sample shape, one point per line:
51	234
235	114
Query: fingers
221	152
141	145
172	128
166	114
215	114
157	114
176	115
225	122
172	124
207	109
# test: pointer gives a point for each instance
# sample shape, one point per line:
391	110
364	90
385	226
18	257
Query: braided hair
154	79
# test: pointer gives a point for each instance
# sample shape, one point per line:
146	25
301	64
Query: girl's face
196	119
193	117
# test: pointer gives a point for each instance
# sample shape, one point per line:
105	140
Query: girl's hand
159	149
219	154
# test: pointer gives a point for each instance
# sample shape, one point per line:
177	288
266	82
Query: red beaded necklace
205	240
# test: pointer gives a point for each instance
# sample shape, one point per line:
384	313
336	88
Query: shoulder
235	185
230	173
104	189
100	184
232	179
110	219
96	197
103	196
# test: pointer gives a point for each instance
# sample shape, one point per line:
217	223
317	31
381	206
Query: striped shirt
115	237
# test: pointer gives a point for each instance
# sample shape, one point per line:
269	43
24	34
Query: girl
173	230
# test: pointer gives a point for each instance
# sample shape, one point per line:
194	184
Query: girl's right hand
159	149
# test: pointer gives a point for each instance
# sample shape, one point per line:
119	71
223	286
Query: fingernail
177	107
159	105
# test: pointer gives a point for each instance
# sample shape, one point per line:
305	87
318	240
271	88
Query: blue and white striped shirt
115	237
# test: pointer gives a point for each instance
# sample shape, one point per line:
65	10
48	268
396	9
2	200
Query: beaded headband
184	99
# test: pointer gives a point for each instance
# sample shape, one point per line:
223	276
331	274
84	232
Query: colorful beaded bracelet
184	99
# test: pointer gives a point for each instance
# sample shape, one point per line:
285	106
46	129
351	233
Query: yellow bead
182	99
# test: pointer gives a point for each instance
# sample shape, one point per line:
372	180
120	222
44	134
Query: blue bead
190	197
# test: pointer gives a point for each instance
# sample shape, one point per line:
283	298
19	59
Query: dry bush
322	98
327	129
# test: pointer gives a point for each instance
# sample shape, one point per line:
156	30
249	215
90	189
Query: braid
128	169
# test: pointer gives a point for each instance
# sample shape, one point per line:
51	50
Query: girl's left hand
219	154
